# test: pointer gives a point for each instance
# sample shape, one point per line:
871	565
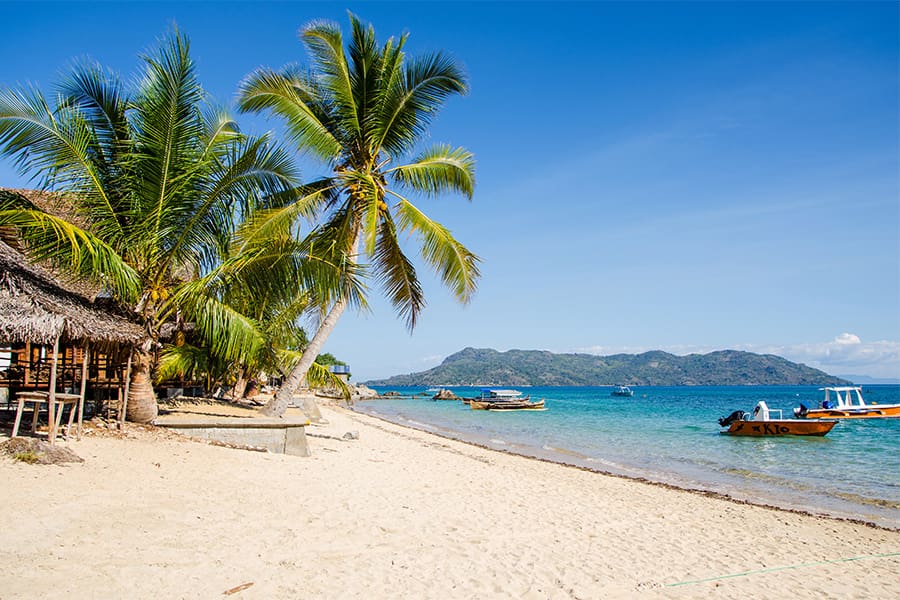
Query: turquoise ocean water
670	435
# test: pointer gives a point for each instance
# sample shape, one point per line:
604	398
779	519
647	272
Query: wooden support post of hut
84	376
123	404
51	399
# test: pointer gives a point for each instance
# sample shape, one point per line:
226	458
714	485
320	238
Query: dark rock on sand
35	451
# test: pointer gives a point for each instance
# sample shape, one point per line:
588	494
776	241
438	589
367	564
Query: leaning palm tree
364	111
156	179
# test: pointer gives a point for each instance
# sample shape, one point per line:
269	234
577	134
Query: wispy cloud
846	354
432	360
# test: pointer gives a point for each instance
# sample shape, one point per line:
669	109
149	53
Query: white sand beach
400	513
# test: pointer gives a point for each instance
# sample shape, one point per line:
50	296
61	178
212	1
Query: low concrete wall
278	436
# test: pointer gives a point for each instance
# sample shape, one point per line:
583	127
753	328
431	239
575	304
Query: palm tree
157	179
364	111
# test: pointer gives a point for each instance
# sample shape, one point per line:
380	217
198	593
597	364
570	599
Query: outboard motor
801	411
737	415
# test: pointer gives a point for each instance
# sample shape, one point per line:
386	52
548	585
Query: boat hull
506	405
774	428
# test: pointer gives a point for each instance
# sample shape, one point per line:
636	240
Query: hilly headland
484	366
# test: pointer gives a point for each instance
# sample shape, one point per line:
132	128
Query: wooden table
39	398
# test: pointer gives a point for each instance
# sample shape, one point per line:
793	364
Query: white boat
622	390
847	403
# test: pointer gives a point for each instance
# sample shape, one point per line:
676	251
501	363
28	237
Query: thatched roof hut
35	308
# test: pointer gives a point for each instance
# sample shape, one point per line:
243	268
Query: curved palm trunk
279	404
142	406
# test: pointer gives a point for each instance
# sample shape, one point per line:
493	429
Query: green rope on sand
771	569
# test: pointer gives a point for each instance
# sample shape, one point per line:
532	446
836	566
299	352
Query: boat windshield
843	397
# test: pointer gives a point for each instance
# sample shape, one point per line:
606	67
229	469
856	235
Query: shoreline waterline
789	474
504	448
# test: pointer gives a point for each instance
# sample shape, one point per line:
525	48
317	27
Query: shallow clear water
670	435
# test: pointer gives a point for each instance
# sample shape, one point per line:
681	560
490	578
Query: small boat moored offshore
622	390
847	403
492	395
524	404
492	399
760	424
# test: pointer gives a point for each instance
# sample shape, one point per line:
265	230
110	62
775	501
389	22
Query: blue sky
686	177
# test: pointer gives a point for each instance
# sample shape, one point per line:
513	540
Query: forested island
487	367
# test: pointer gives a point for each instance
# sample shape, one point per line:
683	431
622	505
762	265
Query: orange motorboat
761	424
847	403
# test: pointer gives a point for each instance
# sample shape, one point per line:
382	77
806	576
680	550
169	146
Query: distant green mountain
486	367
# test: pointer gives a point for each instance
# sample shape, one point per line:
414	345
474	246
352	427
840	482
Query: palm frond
397	275
454	263
100	100
390	79
219	128
294	97
70	247
273	223
318	376
439	169
55	148
415	99
247	173
365	73
187	362
167	129
282	324
325	44
327	270
229	334
100	97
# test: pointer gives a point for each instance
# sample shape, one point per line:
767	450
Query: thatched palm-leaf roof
55	203
35	308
